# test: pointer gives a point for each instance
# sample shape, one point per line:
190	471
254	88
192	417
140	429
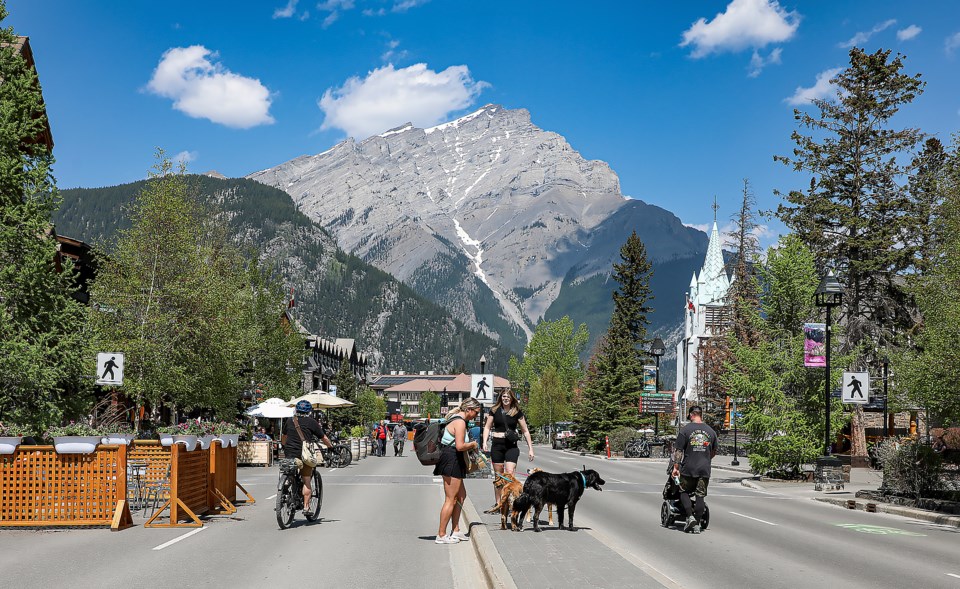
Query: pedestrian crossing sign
856	388
110	368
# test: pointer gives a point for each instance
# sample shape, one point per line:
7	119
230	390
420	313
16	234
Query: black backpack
426	441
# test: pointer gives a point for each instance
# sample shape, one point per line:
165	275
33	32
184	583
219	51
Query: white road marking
437	479
953	575
754	519
178	538
274	496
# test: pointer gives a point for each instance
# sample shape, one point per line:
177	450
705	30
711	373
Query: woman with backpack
452	466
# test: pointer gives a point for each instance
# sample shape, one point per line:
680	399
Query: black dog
563	490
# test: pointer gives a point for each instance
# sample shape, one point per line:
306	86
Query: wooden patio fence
223	478
39	488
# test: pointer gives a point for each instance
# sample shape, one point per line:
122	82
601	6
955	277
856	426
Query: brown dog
510	489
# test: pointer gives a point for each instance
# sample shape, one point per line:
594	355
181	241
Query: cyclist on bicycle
293	445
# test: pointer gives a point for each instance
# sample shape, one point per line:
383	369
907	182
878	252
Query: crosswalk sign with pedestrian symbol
110	368
856	388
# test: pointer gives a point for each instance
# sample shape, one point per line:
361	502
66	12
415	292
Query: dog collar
584	480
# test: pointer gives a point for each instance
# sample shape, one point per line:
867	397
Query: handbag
512	436
309	452
475	460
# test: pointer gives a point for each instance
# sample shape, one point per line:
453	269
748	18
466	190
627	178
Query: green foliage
910	468
42	341
620	436
72	429
372	407
347	388
611	390
430	404
15	430
549	400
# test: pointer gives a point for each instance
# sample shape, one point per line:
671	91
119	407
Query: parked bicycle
290	494
637	448
339	456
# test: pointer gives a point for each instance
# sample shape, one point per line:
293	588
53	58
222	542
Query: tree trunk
858	440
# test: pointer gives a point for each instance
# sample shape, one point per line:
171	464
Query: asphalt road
378	521
756	538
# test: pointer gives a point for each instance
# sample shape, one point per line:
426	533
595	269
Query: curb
494	569
928	516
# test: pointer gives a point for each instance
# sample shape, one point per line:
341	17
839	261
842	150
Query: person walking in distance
382	437
695	447
399	435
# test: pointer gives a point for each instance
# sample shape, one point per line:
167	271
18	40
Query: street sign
656	403
856	388
481	389
333	390
110	368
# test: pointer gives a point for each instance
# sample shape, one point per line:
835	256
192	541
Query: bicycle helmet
304	406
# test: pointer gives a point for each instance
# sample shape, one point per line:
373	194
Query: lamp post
829	294
657	350
736	420
483	366
886	430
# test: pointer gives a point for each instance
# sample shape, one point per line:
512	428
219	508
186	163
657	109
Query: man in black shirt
293	444
696	447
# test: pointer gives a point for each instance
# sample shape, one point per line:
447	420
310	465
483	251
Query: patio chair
153	491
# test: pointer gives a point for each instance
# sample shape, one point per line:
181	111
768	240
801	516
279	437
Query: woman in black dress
453	468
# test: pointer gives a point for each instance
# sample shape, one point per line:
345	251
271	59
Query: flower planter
76	444
8	444
166	439
189	441
119	439
205	441
227	440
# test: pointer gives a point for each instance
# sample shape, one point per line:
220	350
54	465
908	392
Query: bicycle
637	448
290	494
339	456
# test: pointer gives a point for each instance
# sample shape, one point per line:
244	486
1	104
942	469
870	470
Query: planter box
205	441
190	442
76	444
166	439
8	444
256	452
227	440
119	439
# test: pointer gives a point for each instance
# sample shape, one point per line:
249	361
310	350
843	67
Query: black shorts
503	451
451	464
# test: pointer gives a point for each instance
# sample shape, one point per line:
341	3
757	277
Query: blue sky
683	99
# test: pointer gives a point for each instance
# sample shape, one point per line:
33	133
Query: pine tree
611	391
744	293
43	346
856	214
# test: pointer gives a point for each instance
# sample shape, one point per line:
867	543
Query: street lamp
886	362
657	350
829	294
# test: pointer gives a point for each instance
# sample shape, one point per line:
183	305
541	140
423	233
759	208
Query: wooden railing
39	487
223	478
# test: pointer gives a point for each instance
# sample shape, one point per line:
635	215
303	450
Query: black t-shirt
311	429
502	422
699	443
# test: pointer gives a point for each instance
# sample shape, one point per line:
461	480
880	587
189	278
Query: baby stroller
671	510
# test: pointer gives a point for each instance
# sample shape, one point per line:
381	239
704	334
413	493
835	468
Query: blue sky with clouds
683	99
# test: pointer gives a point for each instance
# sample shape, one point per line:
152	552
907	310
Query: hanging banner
814	345
650	378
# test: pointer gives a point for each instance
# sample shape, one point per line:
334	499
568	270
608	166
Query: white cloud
184	157
951	43
204	89
863	36
388	97
287	11
758	62
392	53
405	5
744	24
820	90
334	8
908	33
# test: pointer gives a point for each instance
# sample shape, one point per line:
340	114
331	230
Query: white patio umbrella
321	400
272	408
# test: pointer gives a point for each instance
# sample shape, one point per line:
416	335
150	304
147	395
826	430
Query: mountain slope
338	295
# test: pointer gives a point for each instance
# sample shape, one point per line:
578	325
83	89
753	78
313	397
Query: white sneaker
446	540
460	536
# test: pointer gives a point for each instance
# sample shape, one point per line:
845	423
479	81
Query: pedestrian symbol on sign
856	387
110	368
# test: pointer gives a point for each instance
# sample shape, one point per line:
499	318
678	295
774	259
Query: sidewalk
552	558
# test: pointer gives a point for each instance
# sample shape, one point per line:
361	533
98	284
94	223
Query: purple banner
814	345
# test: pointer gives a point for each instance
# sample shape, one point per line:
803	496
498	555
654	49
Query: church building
705	317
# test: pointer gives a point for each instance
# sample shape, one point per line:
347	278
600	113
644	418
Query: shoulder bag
309	452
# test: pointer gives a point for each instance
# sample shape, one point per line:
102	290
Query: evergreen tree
856	214
348	389
611	390
42	340
744	293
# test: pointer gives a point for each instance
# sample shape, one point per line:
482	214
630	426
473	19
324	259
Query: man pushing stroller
696	446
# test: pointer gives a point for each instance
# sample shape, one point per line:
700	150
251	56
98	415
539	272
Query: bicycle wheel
346	456
316	497
285	508
644	450
631	451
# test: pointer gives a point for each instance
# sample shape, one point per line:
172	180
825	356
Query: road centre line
274	496
178	538
953	575
754	519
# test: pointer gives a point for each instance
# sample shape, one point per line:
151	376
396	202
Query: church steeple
713	277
